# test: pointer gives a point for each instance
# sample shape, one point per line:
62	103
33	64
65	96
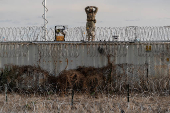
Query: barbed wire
84	68
101	95
132	33
98	85
84	104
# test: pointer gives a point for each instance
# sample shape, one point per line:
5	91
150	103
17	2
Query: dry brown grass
23	77
32	78
85	103
144	93
85	79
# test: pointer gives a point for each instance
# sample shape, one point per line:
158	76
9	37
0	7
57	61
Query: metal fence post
6	93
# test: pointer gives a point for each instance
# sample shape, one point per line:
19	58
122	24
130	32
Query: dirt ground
82	103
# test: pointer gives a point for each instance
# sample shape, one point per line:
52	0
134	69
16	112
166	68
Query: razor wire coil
79	33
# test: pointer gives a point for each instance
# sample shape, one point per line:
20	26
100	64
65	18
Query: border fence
56	57
131	33
134	67
134	46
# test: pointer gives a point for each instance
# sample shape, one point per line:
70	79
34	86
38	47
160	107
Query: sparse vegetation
88	80
85	104
96	90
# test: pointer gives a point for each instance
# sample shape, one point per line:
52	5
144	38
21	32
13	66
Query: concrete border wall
55	57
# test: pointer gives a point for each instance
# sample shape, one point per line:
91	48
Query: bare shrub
24	77
83	79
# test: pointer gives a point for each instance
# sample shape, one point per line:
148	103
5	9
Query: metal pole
72	97
45	25
6	93
128	93
45	20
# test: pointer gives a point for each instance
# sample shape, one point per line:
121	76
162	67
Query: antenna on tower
45	20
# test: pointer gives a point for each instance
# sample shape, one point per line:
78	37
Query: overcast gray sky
112	13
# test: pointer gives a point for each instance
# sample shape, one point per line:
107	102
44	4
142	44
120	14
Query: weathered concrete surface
57	56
